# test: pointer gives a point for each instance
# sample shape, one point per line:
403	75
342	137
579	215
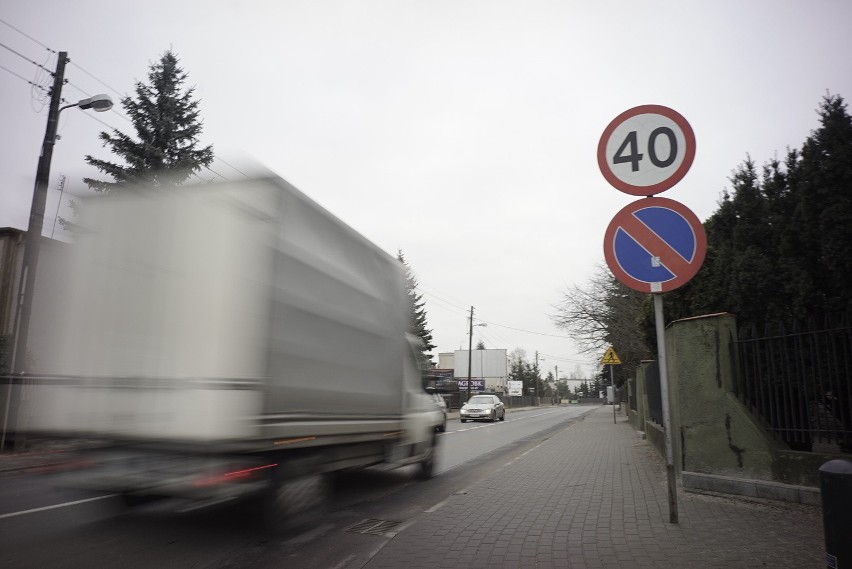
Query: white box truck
226	341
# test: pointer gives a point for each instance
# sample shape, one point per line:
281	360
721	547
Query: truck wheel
426	468
296	501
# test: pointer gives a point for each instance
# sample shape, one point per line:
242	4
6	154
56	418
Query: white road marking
55	506
436	507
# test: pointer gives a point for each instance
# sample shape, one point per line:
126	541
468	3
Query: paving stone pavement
594	495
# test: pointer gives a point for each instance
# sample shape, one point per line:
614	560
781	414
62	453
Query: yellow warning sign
610	357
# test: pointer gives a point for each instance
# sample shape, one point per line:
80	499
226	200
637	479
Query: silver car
441	404
483	408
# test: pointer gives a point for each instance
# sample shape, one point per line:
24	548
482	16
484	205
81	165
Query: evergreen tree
778	250
417	315
165	118
778	247
820	193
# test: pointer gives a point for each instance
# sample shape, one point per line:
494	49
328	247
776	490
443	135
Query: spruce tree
417	324
778	247
166	120
820	228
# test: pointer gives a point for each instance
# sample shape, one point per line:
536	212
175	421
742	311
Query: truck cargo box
240	312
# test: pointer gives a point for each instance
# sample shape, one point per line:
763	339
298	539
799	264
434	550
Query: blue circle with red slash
655	245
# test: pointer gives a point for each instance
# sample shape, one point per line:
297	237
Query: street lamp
98	103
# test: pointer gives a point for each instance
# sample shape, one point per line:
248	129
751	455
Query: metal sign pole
664	392
612	386
654	244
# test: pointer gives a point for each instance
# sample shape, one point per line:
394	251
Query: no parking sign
655	245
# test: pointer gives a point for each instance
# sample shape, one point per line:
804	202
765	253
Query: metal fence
798	381
652	390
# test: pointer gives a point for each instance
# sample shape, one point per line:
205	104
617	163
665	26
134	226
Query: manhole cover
375	527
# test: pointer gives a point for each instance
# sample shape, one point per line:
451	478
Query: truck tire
426	467
296	501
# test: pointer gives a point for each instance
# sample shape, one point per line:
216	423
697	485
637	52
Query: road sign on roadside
654	245
610	358
646	150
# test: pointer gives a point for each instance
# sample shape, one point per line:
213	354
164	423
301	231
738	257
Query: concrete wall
714	433
717	440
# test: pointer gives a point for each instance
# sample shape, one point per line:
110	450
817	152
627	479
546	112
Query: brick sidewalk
594	496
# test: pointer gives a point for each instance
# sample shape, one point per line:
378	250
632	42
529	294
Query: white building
489	365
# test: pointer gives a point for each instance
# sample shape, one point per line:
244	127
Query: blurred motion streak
233	331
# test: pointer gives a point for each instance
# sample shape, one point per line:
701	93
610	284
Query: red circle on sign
678	247
673	178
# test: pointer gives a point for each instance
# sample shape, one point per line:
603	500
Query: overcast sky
461	132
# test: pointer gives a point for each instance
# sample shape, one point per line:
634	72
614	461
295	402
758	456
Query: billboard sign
475	384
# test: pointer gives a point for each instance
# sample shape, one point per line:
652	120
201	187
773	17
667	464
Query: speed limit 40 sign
646	150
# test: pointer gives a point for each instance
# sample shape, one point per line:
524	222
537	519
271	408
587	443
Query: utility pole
31	243
26	288
536	378
469	353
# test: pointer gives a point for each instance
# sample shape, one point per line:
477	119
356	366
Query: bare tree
605	313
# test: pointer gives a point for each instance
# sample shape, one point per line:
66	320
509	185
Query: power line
437	298
22	78
48	48
94	118
27	35
120	96
526	331
70	84
25	58
562	359
444	294
440	302
217	173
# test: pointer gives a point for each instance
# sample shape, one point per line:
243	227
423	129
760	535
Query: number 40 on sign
646	150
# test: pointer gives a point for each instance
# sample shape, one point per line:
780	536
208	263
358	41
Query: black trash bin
836	488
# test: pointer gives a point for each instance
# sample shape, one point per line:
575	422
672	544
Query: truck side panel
179	294
337	341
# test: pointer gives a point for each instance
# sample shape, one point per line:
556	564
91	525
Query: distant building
48	284
11	258
488	368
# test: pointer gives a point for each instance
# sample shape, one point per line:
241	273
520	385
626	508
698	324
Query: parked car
483	407
441	404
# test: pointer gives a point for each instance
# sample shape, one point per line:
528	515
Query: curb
698	482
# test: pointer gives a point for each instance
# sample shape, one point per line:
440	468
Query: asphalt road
41	526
